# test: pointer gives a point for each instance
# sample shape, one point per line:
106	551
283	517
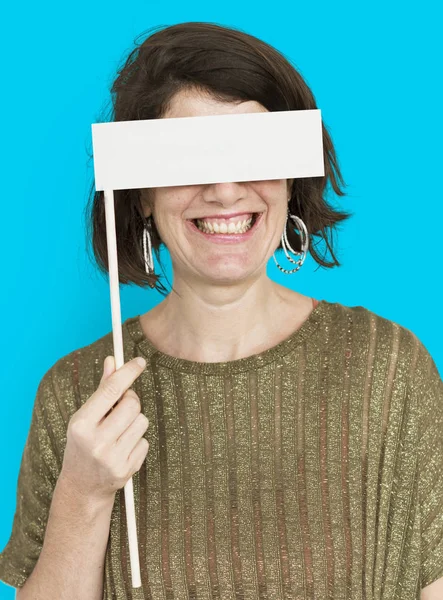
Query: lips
233	238
246	216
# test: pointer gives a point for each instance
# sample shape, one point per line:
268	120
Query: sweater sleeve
429	387
38	474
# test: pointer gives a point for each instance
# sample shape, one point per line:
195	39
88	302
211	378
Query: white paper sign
208	149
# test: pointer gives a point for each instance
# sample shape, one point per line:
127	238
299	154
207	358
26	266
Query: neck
220	323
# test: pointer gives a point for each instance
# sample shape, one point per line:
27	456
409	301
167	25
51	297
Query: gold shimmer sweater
312	470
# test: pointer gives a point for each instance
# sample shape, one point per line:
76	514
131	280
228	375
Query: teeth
239	227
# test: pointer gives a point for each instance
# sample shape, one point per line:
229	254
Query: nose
226	194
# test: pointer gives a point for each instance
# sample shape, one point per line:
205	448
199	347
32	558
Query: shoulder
75	376
376	338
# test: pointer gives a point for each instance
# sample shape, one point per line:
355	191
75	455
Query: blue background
375	73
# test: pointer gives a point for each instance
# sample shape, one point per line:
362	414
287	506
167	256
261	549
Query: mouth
254	218
228	237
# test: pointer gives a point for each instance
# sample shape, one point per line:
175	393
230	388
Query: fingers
108	368
119	419
131	435
138	455
113	384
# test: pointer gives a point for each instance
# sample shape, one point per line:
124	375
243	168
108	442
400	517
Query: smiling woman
198	69
295	445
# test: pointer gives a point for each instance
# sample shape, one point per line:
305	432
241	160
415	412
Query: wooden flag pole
117	335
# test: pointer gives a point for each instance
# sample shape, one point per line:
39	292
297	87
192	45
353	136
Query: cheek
270	190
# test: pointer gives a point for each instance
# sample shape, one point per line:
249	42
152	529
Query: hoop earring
285	243
147	253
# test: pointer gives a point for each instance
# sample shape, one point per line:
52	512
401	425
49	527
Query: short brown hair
232	66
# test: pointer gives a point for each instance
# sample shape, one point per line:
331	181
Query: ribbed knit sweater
312	470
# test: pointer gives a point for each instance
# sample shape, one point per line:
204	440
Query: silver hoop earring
285	244
147	252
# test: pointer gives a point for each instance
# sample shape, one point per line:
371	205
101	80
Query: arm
433	591
63	514
71	563
428	390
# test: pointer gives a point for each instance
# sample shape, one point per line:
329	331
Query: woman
295	445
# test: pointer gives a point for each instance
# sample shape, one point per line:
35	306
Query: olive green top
313	469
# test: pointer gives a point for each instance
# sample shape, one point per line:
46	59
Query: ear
290	182
145	202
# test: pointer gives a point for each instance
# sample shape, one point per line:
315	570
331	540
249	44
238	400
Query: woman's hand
105	445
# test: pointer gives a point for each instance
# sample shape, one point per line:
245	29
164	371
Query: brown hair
232	66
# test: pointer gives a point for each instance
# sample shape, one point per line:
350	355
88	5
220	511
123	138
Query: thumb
108	367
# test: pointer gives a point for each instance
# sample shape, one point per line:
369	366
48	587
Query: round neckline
147	349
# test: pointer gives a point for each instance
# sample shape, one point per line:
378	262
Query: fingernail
141	361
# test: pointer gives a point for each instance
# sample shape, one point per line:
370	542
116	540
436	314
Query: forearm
71	562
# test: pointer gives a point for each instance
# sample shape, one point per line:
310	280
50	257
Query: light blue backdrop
375	72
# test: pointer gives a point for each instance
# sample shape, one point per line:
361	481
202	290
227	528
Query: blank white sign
209	149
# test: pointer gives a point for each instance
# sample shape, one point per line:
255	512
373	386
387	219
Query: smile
227	233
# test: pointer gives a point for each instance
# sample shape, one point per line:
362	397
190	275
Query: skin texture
228	307
433	591
81	529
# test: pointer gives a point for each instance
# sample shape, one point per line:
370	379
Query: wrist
90	503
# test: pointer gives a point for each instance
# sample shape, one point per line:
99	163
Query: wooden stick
119	362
